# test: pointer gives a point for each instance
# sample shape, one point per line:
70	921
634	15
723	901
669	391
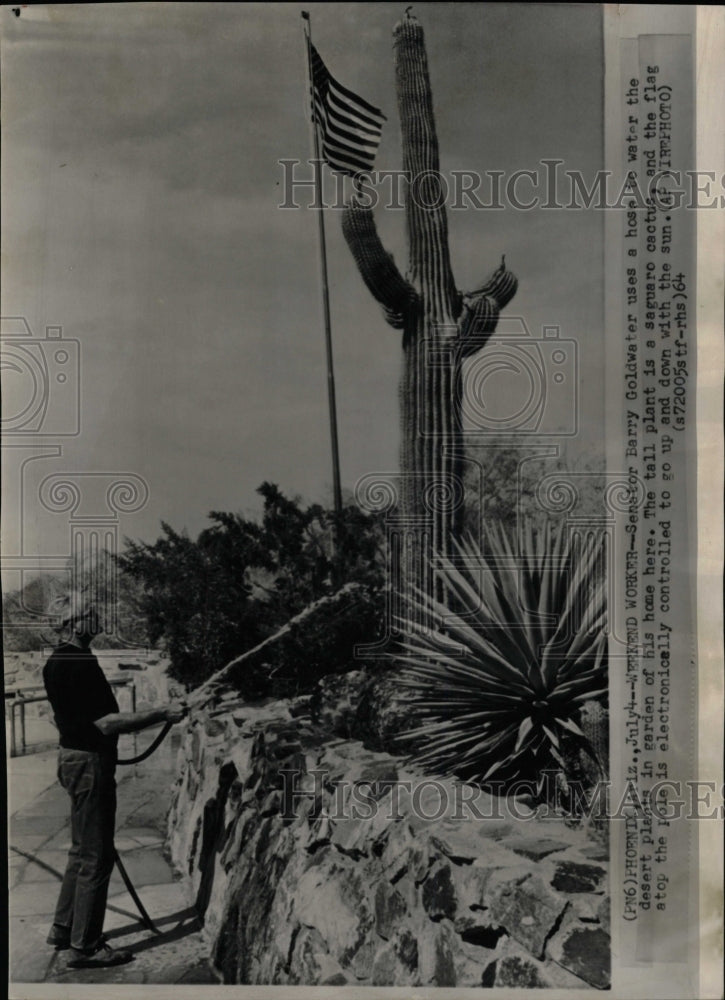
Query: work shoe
59	937
102	957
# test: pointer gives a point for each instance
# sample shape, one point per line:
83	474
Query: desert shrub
207	600
317	643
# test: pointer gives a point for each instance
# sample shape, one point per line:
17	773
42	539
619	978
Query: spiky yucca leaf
496	685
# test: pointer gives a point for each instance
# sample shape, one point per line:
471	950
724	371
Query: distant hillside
25	623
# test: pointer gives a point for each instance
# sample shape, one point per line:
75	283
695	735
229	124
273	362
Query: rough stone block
477	932
470	883
514	967
272	803
459	843
439	894
333	898
312	963
469	971
406	948
358	822
536	848
526	907
389	970
520	972
569	876
381	772
436	953
584	951
403	854
390	909
585	907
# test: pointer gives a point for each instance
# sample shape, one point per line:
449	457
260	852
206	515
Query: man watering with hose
89	722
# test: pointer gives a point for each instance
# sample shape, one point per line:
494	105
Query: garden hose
145	918
149	749
157	741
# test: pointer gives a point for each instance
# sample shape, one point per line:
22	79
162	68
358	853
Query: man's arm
131	722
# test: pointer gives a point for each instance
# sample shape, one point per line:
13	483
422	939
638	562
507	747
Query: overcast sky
141	190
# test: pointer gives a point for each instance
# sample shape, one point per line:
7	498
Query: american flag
350	128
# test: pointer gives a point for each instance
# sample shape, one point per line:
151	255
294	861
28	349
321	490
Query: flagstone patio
39	837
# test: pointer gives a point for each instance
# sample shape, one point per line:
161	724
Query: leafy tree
211	599
505	479
195	598
312	551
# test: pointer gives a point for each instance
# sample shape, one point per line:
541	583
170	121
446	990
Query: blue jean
89	779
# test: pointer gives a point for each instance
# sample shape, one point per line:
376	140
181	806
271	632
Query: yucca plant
496	681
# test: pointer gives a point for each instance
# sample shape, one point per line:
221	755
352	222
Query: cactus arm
481	310
376	266
477	323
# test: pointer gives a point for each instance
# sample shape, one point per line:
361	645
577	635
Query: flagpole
336	487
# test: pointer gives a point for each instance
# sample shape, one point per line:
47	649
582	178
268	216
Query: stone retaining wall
306	893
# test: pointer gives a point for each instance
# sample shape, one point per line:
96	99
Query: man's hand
175	711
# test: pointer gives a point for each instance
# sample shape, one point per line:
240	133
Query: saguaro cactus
441	326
